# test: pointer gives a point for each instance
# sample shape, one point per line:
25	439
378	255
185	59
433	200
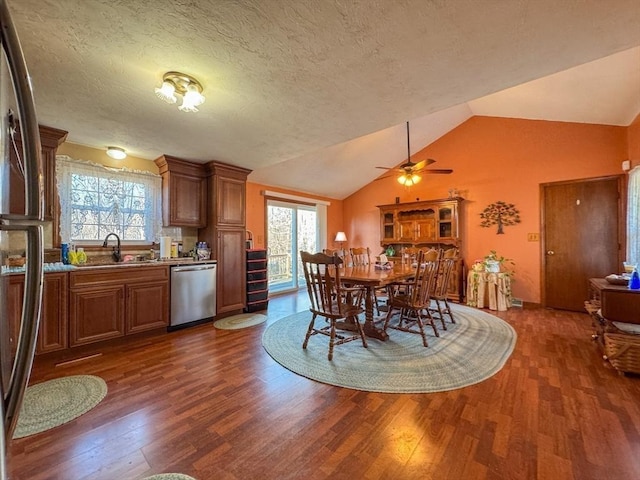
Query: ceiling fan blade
387	168
419	166
444	171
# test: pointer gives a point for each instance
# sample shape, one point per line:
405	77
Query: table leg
370	330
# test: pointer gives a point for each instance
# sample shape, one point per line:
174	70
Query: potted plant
495	263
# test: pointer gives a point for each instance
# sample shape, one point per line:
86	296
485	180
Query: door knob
550	252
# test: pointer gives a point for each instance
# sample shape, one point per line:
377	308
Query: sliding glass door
291	227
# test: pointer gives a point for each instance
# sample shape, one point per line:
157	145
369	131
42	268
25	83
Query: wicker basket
15	261
622	351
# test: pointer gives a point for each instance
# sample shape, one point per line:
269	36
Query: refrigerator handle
12	398
34	186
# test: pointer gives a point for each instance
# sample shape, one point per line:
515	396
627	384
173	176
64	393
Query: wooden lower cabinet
230	248
95	314
54	322
15	292
106	304
53	329
147	306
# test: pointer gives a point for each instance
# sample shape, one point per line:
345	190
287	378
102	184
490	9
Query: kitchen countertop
60	267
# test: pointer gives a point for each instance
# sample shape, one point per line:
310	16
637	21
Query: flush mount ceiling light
116	152
184	85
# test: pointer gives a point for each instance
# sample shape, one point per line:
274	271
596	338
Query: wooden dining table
371	278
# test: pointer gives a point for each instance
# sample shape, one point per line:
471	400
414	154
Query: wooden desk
489	289
617	302
370	277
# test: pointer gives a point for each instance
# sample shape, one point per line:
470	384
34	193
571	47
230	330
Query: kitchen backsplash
17	242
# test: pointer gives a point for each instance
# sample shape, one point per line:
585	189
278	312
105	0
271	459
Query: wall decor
501	214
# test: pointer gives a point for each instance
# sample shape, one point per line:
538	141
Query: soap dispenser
634	281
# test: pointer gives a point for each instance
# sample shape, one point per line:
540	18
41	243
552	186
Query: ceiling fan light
409	179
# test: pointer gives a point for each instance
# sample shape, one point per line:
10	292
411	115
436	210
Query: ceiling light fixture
184	85
116	152
409	179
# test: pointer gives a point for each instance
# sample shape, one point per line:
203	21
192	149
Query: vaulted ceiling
313	94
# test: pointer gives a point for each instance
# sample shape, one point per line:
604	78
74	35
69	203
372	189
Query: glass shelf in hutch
388	226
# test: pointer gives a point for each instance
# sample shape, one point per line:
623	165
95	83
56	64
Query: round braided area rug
169	476
468	352
242	320
55	402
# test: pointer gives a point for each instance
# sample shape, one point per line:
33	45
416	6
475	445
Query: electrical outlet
533	237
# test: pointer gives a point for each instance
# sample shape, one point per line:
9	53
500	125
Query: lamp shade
341	237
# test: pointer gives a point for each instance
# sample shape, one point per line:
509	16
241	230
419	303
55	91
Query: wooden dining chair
340	252
360	257
412	306
440	304
328	300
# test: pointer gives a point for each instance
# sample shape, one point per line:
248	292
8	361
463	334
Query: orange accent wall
256	213
499	159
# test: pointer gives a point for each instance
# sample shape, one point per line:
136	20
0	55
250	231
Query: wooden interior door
582	238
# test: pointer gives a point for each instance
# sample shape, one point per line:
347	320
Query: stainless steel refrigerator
17	117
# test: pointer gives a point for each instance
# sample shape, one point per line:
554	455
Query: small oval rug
169	476
243	320
55	402
469	351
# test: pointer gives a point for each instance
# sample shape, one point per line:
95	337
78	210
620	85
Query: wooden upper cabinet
50	140
184	192
430	221
229	190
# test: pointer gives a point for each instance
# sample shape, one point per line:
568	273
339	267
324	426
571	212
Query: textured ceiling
301	90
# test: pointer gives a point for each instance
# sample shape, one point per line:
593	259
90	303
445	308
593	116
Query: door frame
622	222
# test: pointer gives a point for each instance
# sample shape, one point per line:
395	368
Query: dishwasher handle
193	268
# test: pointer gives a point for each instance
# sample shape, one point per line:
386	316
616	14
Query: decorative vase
492	266
634	281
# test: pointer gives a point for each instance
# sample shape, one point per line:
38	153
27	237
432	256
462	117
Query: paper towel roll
165	247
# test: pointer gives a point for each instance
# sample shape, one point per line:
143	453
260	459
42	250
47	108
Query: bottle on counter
634	281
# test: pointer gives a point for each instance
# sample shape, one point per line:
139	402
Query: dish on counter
614	279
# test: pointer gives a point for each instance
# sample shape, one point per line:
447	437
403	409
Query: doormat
243	320
52	403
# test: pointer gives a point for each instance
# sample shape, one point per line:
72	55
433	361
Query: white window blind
633	217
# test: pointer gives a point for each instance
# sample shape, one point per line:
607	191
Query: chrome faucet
117	256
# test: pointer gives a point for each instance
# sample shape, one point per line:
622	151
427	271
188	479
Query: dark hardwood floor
212	404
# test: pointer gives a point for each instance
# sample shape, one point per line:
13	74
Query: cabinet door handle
550	252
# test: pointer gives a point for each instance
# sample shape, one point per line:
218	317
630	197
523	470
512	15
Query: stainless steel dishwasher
193	293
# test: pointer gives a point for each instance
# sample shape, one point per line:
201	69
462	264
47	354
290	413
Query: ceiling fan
409	170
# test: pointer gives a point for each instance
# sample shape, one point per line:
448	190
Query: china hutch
425	224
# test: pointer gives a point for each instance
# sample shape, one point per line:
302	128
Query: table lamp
341	238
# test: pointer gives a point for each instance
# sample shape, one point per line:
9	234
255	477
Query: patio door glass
291	227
